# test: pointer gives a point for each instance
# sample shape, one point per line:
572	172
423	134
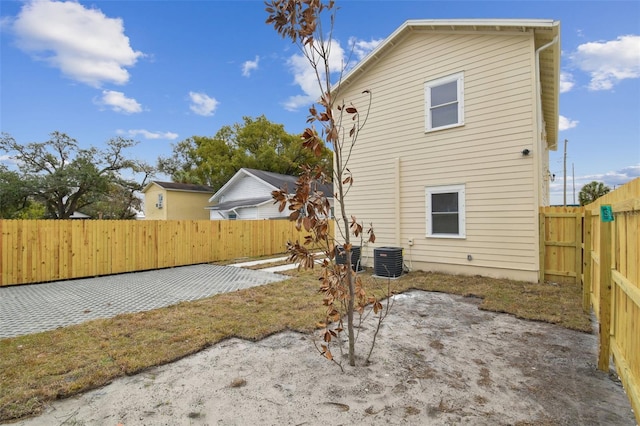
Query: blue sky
162	71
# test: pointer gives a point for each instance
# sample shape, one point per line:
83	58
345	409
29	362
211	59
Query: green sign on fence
606	214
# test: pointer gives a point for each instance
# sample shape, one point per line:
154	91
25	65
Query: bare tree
340	124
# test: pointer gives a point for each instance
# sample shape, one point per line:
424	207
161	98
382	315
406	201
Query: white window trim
459	77
460	189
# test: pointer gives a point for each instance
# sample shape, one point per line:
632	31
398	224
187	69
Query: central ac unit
341	257
387	262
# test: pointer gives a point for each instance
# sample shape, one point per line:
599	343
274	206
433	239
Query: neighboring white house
247	195
453	163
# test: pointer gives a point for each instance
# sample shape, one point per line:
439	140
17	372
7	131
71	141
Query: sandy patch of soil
439	361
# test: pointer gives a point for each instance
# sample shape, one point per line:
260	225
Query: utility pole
573	182
565	172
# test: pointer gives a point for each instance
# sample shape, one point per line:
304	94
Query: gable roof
274	180
249	202
173	186
546	34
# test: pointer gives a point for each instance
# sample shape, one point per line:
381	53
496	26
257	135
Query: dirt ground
439	361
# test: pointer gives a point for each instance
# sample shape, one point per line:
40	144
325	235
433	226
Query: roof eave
551	88
453	24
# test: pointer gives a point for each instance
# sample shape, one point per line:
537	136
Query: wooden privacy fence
33	251
560	244
611	276
578	247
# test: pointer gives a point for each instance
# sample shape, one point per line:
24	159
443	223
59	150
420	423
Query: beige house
176	201
453	162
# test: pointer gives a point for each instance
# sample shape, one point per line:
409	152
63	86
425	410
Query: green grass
38	368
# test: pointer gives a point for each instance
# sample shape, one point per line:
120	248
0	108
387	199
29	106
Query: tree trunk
350	280
350	308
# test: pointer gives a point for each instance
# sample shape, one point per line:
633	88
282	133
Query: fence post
541	246
578	246
604	347
586	262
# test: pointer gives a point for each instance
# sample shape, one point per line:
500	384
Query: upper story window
444	100
446	211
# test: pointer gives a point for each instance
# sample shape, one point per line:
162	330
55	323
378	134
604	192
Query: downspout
397	212
539	119
538	172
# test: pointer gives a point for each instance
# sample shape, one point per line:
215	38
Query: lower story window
446	211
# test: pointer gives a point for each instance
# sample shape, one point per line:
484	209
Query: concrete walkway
29	309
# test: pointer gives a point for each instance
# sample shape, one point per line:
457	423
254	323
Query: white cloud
12	162
566	82
616	177
249	66
84	44
202	104
565	123
609	62
147	134
118	102
305	77
362	48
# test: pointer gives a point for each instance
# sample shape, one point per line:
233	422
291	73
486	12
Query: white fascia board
529	23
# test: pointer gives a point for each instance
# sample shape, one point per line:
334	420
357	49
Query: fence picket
48	250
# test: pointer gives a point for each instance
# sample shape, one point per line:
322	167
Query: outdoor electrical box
387	262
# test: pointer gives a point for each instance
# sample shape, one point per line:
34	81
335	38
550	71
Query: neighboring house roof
274	180
546	34
173	186
78	215
250	202
279	181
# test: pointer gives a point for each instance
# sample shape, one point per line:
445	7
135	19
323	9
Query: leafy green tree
255	143
14	193
66	178
33	210
200	160
591	192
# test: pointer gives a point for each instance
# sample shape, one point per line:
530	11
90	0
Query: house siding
151	212
270	211
245	188
176	205
484	154
247	213
183	205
